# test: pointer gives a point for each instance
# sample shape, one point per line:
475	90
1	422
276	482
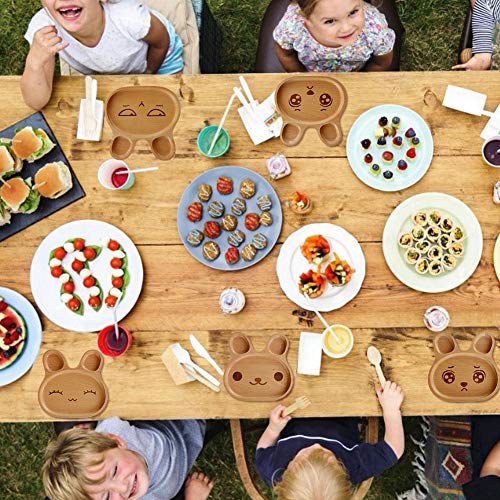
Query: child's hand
476	62
390	396
276	421
47	43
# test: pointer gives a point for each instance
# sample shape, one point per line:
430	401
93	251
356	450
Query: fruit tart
338	272
312	283
300	203
315	248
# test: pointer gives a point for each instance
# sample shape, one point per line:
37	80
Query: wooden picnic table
180	295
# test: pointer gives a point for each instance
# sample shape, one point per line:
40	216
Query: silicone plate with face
464	375
258	376
306	102
148	113
73	392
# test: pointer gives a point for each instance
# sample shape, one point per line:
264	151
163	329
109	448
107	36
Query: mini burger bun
14	192
28	143
53	180
9	161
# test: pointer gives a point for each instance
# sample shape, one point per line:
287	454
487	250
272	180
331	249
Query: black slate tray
18	222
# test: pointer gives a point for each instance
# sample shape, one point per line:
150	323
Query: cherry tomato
89	253
113	245
117	282
68	287
116	262
59	253
94	301
110	300
74	304
77	265
56	271
79	244
89	281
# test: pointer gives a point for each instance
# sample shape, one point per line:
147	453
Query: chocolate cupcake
195	237
248	252
216	209
211	250
224	185
232	255
264	203
252	221
204	192
265	218
229	222
247	188
194	211
211	229
236	238
259	241
239	206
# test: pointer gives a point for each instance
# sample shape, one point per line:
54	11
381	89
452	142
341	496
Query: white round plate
34	338
291	264
45	287
364	128
400	221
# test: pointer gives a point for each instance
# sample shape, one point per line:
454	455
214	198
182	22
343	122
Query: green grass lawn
433	30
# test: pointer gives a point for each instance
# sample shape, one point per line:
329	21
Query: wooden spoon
375	358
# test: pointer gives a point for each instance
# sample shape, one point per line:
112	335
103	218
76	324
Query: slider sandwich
53	180
31	144
4	215
10	163
17	196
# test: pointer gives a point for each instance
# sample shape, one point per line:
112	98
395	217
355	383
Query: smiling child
333	35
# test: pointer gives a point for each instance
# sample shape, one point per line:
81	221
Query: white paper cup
105	175
489	151
342	331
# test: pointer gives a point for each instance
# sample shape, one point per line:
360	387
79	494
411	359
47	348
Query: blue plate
364	128
237	174
34	338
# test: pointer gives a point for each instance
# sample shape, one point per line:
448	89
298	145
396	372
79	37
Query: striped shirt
485	15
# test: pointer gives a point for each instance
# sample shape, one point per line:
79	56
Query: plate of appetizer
36	178
389	147
81	270
323	260
20	335
432	242
229	218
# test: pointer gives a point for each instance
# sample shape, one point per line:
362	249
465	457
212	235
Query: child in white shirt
97	36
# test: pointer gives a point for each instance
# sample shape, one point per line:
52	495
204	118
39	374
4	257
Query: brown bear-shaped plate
311	102
143	112
258	376
464	376
71	393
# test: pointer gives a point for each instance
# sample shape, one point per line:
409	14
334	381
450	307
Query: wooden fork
300	403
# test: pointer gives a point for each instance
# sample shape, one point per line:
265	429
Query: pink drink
110	344
119	176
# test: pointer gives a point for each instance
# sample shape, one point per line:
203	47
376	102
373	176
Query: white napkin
99	116
310	349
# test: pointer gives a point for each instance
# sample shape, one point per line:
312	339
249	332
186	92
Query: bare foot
198	486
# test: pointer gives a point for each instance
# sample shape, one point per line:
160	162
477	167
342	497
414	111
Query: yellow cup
334	349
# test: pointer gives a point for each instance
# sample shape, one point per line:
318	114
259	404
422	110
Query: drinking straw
243	101
322	319
146	169
117	333
223	119
248	92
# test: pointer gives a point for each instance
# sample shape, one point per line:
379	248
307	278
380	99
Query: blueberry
388	174
7	335
415	141
19	329
6	354
381	141
396	121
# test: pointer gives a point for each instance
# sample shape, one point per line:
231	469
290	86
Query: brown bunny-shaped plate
71	393
464	376
143	112
258	376
311	102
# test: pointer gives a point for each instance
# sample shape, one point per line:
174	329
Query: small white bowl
346	351
496	139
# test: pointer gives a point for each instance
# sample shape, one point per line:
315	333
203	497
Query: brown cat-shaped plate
71	393
258	376
464	376
143	112
311	102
